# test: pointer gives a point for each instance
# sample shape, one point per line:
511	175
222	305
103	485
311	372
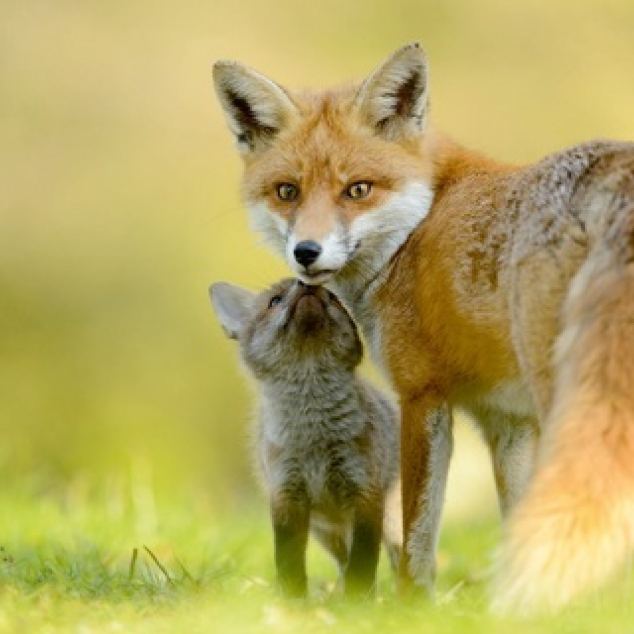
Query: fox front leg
290	515
426	447
367	530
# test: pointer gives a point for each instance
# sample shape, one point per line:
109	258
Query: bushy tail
575	526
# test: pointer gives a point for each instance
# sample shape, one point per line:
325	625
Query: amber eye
275	300
287	192
358	191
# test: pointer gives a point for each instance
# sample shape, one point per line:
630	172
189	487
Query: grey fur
327	441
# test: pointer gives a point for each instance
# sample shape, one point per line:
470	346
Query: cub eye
358	191
287	192
275	300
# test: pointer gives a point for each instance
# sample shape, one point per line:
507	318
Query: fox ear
256	108
393	100
233	305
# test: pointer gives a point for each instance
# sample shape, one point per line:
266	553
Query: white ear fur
394	99
233	305
255	107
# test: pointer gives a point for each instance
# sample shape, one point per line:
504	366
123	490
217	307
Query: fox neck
358	294
358	284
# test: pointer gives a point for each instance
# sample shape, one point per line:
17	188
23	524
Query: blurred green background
119	201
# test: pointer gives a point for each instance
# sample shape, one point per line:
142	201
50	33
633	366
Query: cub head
287	328
336	180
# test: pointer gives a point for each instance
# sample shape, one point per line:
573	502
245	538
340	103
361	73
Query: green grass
87	559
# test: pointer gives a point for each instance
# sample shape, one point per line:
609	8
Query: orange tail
575	526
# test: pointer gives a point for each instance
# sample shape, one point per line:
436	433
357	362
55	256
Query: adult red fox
506	291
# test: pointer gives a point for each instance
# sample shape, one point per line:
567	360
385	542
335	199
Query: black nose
306	252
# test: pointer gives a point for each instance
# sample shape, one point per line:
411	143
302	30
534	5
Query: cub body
327	441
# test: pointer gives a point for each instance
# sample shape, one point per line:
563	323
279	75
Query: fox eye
275	300
287	192
358	191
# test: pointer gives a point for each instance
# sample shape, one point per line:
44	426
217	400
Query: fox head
336	180
288	328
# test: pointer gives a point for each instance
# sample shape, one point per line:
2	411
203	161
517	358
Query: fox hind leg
512	442
335	539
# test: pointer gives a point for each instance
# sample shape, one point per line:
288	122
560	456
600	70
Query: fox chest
329	475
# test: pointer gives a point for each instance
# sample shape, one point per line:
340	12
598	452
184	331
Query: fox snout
303	291
315	260
307	252
311	306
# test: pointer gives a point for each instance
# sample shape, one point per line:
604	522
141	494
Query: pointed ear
234	307
393	100
256	108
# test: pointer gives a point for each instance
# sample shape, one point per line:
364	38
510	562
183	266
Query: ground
91	558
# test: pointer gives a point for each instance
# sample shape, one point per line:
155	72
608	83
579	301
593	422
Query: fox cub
327	442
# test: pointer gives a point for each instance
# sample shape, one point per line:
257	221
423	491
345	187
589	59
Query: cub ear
393	100
233	305
256	108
